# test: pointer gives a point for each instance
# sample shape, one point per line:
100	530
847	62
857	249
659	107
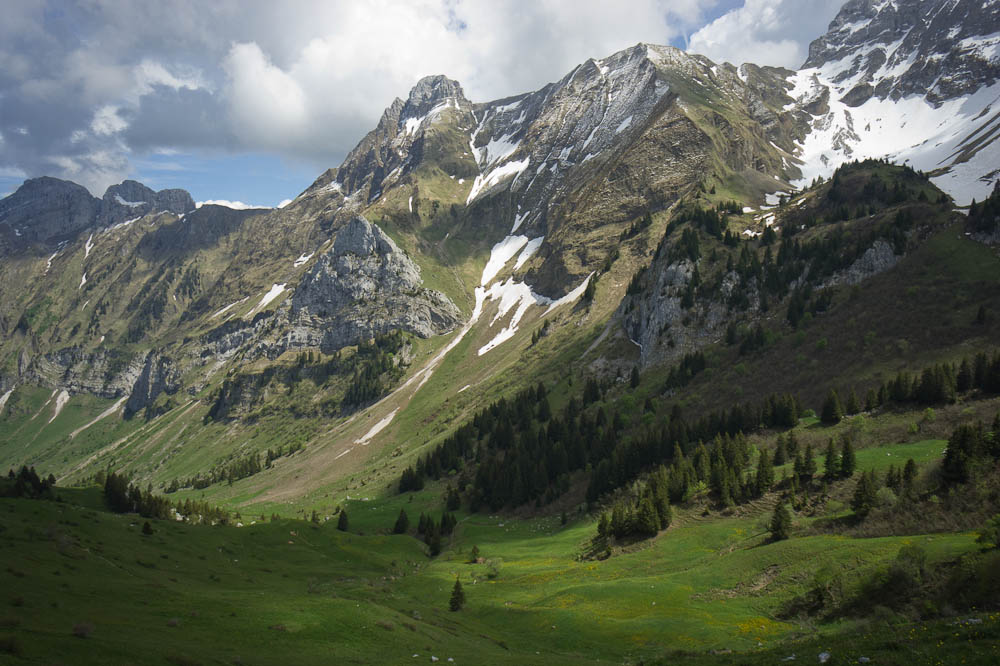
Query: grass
201	594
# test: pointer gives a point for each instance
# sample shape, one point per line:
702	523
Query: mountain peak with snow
917	81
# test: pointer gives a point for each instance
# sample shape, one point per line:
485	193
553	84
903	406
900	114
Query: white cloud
305	79
106	121
765	32
236	205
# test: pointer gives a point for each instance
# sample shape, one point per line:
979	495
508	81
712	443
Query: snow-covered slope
917	81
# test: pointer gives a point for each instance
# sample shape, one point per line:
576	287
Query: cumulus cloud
766	32
99	85
236	205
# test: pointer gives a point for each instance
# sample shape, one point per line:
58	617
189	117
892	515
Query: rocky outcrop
158	376
104	373
49	210
879	258
130	199
932	48
45	210
363	286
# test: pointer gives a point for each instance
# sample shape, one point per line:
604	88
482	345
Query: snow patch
624	124
61	401
83	280
88	247
510	294
275	291
376	429
571	296
106	413
501	253
486	181
226	309
5	396
410	203
529	249
303	258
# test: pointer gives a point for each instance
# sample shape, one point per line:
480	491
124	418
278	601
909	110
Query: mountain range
451	235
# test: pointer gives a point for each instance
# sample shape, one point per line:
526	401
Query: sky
250	100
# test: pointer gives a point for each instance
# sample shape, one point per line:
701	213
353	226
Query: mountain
627	215
913	81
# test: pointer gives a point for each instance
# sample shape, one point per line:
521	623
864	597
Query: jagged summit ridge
917	82
940	49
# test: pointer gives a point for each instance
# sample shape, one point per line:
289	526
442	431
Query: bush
990	536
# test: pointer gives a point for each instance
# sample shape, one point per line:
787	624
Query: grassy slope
267	591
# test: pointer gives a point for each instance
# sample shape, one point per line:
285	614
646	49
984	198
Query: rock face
132	199
48	210
940	49
45	210
157	376
395	146
914	80
363	286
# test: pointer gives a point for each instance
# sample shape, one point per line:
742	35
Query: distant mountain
917	81
573	209
48	210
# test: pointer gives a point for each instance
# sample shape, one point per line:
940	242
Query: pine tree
780	453
865	495
909	475
765	475
848	461
474	555
853	406
457	597
810	463
831	465
832	412
647	522
781	523
342	522
402	523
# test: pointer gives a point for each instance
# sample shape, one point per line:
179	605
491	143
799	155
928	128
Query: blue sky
250	100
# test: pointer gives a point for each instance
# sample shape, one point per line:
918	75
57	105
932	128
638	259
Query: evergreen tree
810	463
342	522
634	378
831	465
647	521
457	597
832	411
865	495
474	555
848	461
765	475
781	522
909	475
853	406
780	453
402	523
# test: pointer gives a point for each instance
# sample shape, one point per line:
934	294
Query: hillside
666	361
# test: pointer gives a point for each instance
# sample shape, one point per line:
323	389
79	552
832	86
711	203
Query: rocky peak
45	210
362	238
362	286
430	92
940	49
130	199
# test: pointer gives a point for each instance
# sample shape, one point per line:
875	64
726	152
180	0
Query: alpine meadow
669	361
